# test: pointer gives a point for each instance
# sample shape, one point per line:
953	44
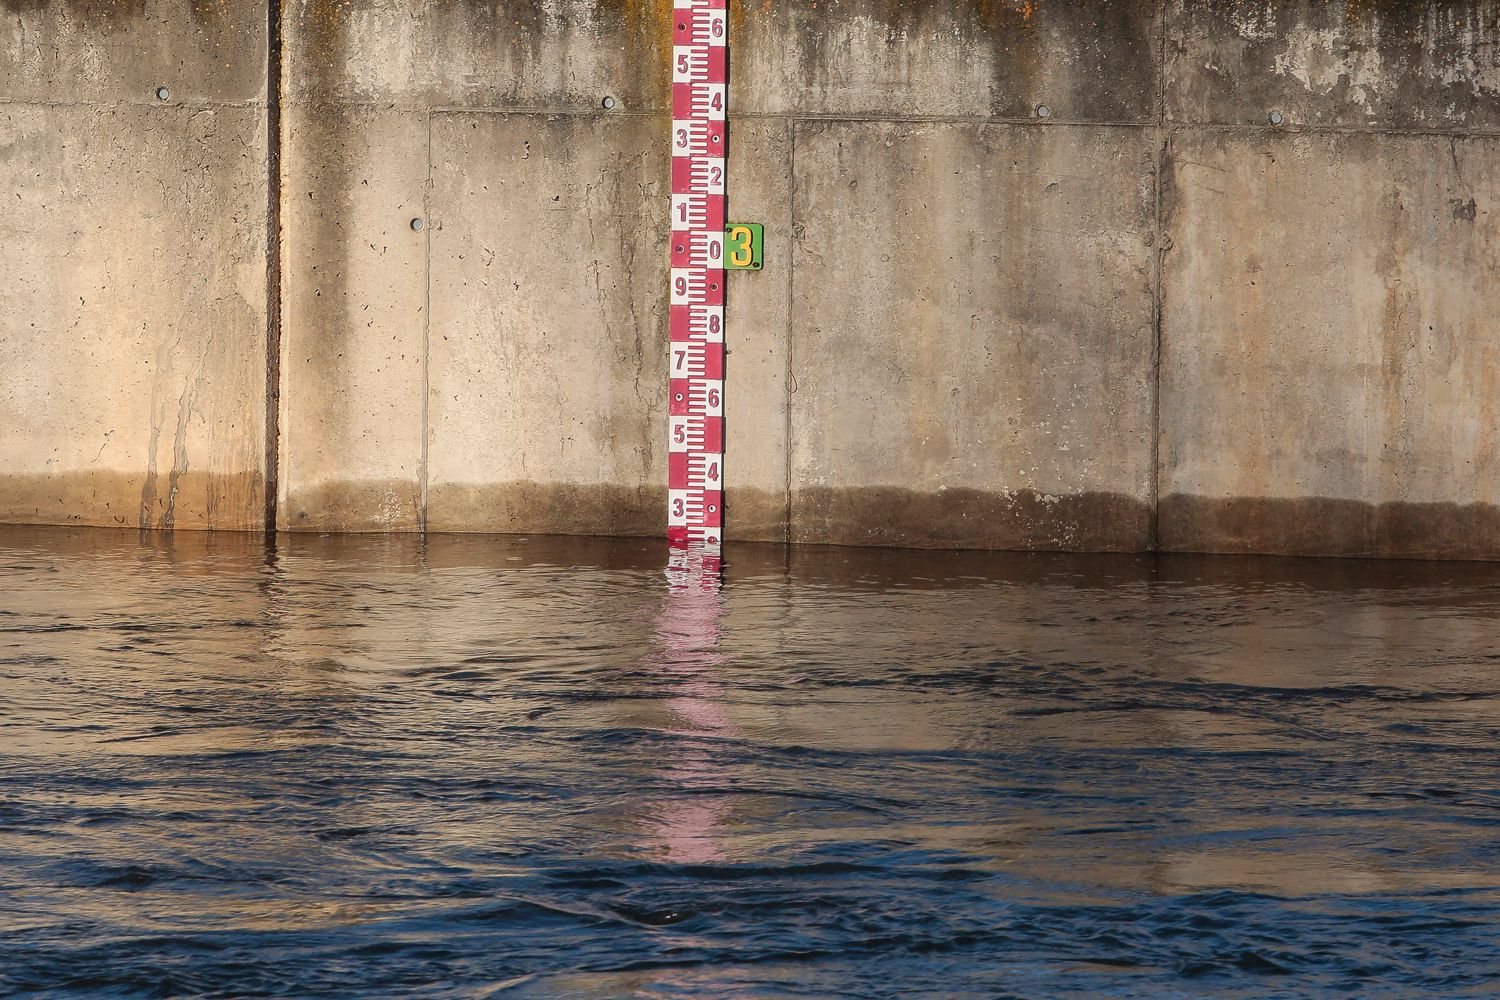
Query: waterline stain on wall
133	313
1326	526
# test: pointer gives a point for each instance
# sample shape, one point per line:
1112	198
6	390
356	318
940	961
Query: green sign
742	247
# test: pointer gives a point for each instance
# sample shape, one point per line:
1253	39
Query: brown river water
543	767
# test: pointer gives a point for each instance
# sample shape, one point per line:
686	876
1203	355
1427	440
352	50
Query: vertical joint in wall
1158	243
424	459
272	483
791	293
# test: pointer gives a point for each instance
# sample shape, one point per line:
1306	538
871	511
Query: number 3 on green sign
742	243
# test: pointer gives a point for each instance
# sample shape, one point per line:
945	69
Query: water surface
472	767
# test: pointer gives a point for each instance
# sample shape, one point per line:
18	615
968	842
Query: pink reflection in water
688	633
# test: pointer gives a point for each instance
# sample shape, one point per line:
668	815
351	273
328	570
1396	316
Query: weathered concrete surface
1093	60
132	315
954	340
549	319
582	462
1087	60
973	336
355	302
354	317
558	55
1329	354
1408	64
364	450
759	327
121	51
503	347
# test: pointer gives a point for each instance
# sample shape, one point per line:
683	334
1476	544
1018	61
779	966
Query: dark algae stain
970	518
1326	526
563	508
108	14
1411	63
1090	59
109	17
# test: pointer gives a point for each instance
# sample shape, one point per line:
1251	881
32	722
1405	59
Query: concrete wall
133	302
1330	359
1151	317
951	342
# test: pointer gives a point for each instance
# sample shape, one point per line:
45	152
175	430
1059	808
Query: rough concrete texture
756	418
973	336
1087	60
395	443
1407	64
122	51
549	320
354	318
1329	355
562	55
1092	60
547	306
132	315
954	342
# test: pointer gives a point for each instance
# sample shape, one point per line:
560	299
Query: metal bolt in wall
1274	117
163	94
1042	111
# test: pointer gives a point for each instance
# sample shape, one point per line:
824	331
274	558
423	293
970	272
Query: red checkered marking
700	139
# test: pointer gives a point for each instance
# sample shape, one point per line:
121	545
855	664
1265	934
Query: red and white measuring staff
700	64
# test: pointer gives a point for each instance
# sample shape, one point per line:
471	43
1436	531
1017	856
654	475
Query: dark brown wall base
878	516
1322	526
548	508
157	499
971	519
873	516
353	505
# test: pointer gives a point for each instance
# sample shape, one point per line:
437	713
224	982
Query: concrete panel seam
423	474
777	116
1143	123
1351	130
539	109
794	231
521	113
1154	538
272	484
913	119
9	102
657	112
917	119
1161	65
791	297
401	107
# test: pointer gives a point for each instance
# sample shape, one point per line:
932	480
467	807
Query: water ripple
489	767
